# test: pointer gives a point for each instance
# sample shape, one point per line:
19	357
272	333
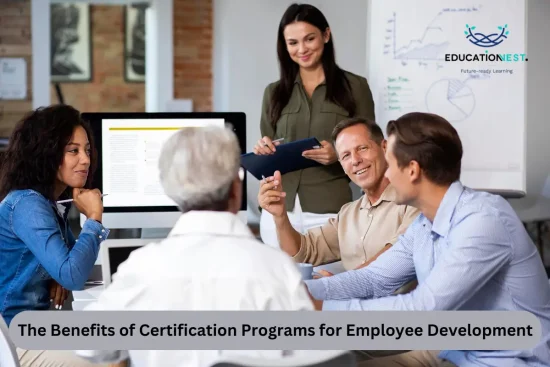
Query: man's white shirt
210	261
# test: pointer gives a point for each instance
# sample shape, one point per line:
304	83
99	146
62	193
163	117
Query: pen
275	141
69	200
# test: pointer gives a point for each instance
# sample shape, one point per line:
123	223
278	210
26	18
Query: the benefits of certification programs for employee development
274	332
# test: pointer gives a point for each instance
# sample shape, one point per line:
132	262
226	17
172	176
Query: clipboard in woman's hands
287	158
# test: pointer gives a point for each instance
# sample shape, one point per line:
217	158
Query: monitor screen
128	147
130	151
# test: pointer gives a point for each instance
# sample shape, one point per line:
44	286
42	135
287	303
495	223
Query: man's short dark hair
431	141
375	131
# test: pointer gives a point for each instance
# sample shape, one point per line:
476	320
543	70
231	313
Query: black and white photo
134	43
71	43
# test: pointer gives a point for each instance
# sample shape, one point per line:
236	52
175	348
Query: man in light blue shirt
468	249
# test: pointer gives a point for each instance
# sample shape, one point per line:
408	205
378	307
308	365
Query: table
91	293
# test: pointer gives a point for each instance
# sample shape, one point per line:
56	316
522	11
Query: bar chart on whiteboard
462	60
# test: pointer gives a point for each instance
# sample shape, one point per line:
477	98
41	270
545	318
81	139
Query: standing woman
49	157
311	97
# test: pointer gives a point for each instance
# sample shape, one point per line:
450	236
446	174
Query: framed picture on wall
134	42
71	42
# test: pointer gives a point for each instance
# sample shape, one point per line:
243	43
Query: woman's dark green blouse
321	189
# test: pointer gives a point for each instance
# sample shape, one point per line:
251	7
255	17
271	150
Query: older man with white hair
210	260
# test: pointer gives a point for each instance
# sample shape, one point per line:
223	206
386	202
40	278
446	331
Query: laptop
115	252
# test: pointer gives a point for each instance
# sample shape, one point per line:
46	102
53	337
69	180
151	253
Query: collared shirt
476	255
210	261
36	246
305	117
358	233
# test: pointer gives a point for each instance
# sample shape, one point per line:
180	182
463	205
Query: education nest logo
482	40
486	41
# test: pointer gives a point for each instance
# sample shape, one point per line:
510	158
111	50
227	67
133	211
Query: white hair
197	166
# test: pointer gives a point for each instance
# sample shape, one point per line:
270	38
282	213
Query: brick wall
193	52
15	41
108	91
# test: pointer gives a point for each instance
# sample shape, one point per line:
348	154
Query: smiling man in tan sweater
364	228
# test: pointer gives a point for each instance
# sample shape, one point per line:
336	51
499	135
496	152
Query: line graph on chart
430	45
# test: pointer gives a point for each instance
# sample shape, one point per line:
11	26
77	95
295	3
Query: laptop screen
118	255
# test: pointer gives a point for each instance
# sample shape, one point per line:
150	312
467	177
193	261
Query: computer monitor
128	147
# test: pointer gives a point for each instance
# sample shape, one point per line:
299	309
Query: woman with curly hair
49	157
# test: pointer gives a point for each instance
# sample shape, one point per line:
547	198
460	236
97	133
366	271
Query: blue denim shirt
36	245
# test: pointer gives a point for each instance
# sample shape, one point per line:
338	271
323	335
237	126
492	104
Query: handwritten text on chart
397	94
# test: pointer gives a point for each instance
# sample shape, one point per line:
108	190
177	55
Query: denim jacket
36	245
